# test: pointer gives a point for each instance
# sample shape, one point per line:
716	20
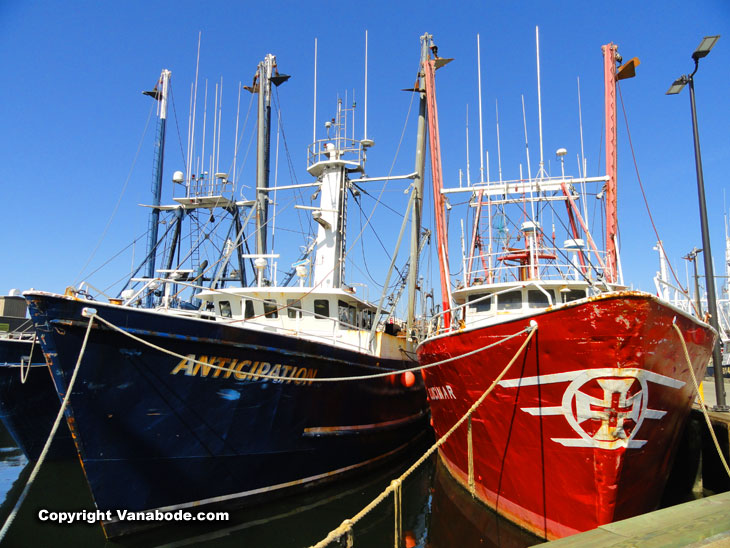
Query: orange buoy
408	379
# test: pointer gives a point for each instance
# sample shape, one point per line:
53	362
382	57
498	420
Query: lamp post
702	50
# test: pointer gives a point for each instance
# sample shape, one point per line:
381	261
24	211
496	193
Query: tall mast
160	94
609	73
436	172
265	75
418	186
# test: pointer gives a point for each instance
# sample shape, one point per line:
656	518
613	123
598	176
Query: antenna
541	171
468	169
220	123
499	151
314	123
527	146
205	117
365	128
191	141
235	142
481	141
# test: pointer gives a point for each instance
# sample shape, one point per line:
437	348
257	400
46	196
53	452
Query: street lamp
702	50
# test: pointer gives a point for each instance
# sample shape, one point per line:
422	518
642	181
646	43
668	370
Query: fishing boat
217	397
582	427
28	401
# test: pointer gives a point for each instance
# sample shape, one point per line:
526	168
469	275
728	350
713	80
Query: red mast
436	173
609	75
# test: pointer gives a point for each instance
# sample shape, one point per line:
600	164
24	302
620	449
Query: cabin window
537	299
573	295
225	308
271	309
367	319
248	309
294	308
484	305
346	314
512	300
321	309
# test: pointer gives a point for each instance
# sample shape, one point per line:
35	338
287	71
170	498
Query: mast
159	93
436	171
330	160
266	74
418	187
609	73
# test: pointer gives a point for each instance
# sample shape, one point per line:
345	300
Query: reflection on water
437	513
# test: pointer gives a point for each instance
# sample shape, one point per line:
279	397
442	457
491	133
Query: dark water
436	512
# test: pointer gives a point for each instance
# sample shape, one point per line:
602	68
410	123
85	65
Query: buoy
408	379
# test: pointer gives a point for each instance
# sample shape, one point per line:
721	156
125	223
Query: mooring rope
702	401
345	527
24	374
47	446
312	379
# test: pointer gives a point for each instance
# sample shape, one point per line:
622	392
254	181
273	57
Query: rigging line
290	164
565	255
243	130
138	238
377	201
177	125
346	526
643	193
119	200
529	330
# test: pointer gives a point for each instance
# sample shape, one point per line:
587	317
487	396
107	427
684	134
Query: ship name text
242	370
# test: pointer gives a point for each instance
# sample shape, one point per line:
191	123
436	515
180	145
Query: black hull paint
155	432
27	410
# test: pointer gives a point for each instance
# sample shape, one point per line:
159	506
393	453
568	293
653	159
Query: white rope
314	379
702	401
346	526
47	446
24	374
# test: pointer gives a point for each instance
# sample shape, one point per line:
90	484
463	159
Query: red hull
582	429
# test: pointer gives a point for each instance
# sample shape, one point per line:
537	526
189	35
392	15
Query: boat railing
560	264
457	313
337	148
337	332
205	186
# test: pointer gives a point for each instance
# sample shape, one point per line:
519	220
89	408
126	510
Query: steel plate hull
28	409
157	431
582	429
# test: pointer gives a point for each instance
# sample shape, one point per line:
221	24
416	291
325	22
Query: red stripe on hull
582	429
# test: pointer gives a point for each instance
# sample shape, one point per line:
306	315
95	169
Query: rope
646	201
346	525
397	507
314	379
24	375
702	401
47	446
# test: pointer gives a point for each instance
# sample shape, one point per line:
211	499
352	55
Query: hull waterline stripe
269	489
316	431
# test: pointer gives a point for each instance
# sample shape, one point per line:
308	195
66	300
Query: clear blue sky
73	115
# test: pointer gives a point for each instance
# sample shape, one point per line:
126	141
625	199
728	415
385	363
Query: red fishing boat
581	429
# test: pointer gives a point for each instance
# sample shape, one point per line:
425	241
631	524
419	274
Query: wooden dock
702	522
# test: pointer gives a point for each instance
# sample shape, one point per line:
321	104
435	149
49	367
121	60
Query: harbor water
436	512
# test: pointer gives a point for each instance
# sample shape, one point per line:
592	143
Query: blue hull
28	409
156	431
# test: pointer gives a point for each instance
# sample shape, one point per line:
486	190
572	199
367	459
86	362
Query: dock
697	470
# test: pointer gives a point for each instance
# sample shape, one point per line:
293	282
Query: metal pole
709	274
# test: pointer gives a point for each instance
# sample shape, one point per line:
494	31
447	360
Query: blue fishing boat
28	401
229	396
